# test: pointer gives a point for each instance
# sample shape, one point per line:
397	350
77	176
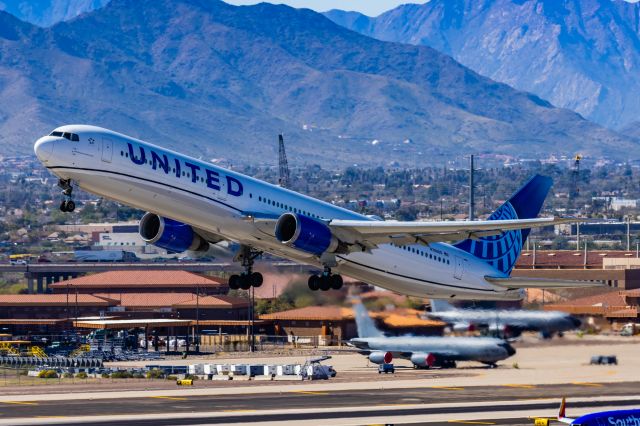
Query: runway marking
19	402
173	398
311	392
446	387
470	422
521	386
595	385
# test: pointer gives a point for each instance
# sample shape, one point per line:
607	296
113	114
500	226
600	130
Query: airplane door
107	150
459	268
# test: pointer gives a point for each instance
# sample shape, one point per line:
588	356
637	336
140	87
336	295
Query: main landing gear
325	281
248	278
67	205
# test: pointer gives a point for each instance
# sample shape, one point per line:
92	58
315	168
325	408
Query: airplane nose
44	148
507	347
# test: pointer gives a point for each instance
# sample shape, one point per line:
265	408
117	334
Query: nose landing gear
67	205
248	278
325	281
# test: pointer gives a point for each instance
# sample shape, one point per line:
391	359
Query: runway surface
414	405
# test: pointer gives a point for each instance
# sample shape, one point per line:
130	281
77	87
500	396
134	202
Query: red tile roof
597	304
312	313
113	279
52	300
165	300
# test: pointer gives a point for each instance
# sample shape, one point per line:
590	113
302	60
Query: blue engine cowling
306	234
170	234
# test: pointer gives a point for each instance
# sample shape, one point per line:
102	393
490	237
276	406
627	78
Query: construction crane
283	179
574	191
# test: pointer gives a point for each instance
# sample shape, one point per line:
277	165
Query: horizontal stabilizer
542	283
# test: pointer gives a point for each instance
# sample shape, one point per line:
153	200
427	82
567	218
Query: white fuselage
231	205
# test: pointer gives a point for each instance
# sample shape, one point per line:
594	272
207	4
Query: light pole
198	319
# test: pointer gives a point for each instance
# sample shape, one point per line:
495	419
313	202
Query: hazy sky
368	7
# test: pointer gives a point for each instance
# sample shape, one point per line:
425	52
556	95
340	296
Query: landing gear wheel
256	279
245	282
234	282
325	282
336	281
314	283
71	206
63	206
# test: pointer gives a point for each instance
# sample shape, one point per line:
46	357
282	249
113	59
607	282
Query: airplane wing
369	234
542	283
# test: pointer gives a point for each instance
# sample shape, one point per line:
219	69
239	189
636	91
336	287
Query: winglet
562	414
561	411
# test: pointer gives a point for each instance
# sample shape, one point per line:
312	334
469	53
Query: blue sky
368	7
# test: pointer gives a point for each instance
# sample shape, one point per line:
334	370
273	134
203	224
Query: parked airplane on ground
503	322
613	418
193	203
425	352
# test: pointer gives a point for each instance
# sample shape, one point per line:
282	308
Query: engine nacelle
423	360
306	234
379	357
170	234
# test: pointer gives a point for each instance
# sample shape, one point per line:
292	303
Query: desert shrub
138	375
172	378
105	375
68	375
191	377
121	375
82	375
155	374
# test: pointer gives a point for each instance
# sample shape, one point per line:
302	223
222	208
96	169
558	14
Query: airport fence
241	342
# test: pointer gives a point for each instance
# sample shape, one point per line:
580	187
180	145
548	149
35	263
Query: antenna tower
283	179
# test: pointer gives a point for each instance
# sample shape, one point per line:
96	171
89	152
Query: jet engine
380	357
306	234
170	234
422	360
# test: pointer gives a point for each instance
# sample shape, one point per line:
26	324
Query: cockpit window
71	136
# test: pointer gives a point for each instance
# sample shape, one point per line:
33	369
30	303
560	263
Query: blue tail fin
502	251
366	326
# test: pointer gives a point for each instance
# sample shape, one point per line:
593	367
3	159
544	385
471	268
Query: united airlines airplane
192	204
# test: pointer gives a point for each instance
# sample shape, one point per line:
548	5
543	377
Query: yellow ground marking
470	422
521	386
446	387
596	385
173	398
311	392
19	402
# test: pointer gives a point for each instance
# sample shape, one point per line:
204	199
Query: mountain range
221	81
578	54
45	13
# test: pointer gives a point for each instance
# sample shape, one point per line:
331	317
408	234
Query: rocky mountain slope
578	54
220	81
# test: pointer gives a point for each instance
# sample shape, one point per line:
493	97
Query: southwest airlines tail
502	251
366	326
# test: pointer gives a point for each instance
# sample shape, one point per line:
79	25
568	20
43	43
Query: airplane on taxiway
613	417
504	322
192	204
425	351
